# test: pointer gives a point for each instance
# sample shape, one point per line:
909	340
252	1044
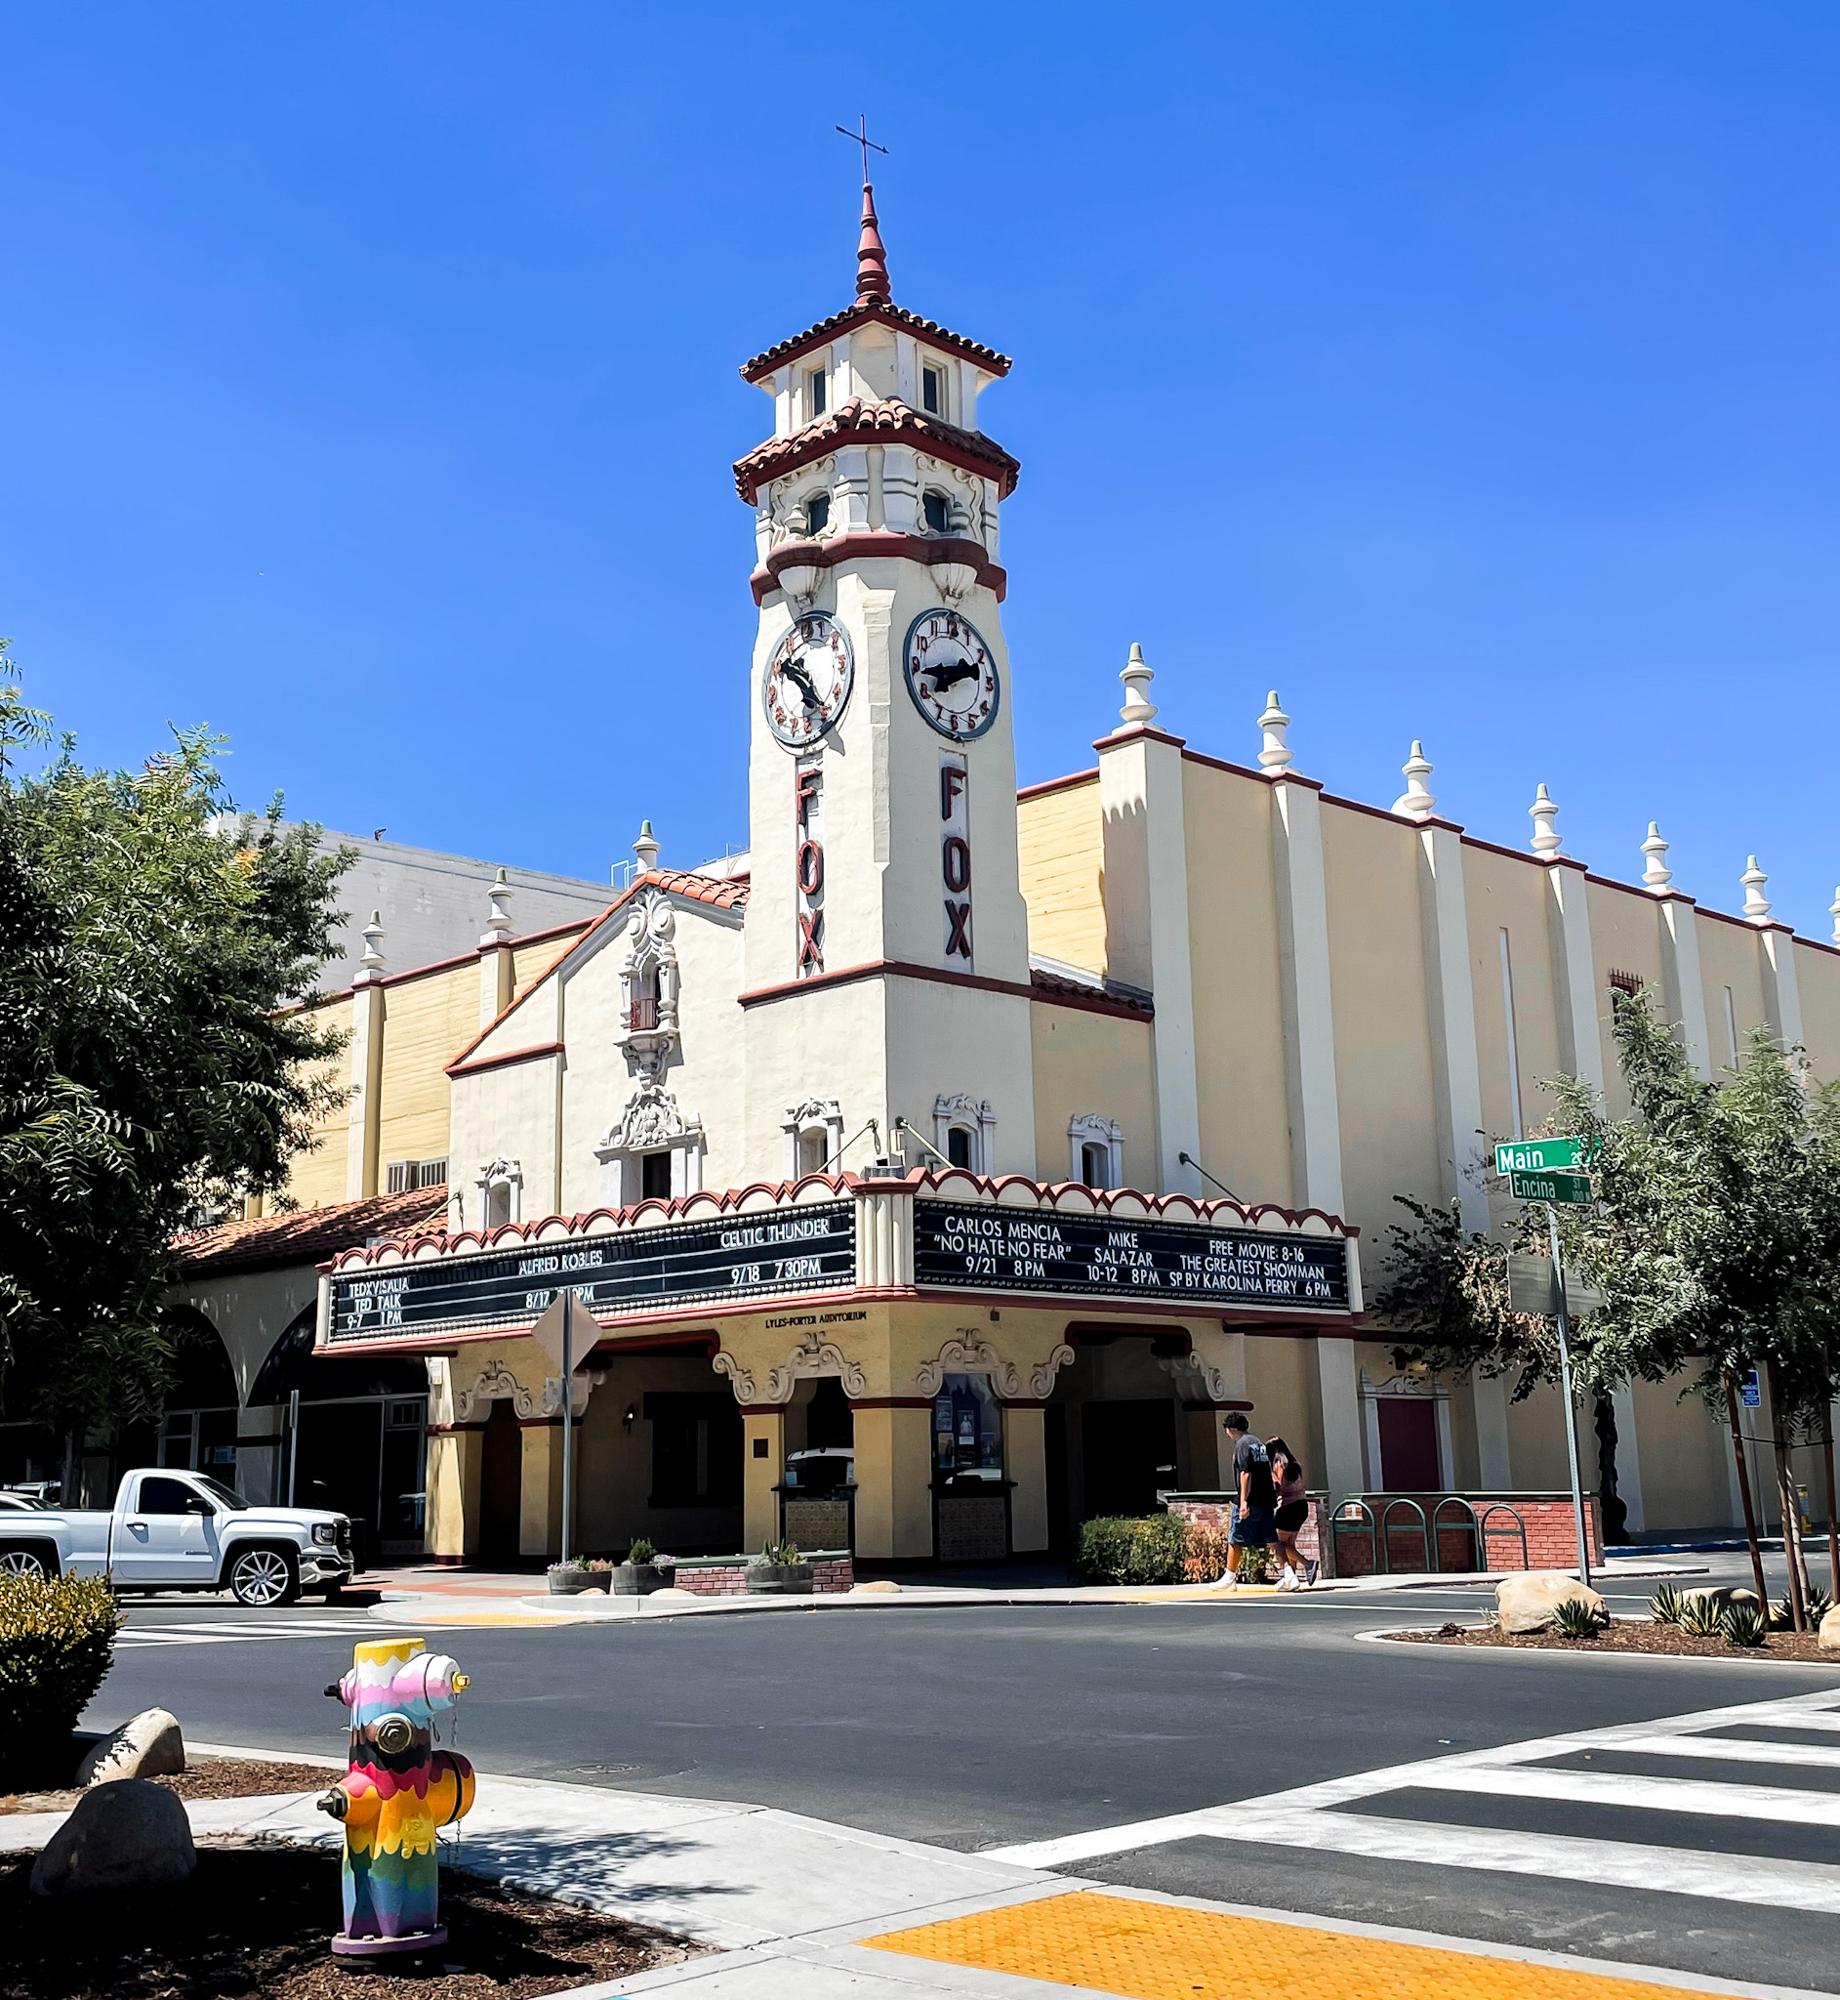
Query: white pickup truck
182	1531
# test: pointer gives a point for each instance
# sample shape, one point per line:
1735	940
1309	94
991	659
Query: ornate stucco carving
1041	1380
967	1352
493	1381
651	1119
812	1357
1197	1380
649	986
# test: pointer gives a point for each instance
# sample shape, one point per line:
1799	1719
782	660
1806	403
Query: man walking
1256	1500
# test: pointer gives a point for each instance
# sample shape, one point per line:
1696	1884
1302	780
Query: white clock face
951	674
807	681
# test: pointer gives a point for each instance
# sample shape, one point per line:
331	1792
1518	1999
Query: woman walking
1293	1511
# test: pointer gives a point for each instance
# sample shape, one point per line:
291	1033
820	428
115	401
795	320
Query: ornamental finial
1657	876
645	848
1274	752
1833	910
498	923
1546	836
871	258
370	960
1138	708
1417	801
1756	903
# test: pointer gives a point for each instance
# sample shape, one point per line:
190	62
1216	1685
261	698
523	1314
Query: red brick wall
829	1575
1552	1539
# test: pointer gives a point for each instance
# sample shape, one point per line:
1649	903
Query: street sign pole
568	1421
1571	1413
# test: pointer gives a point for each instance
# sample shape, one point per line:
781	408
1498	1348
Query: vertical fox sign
955	855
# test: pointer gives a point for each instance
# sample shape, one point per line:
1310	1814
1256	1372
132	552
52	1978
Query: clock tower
887	943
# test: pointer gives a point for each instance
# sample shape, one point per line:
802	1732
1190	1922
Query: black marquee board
961	1246
766	1255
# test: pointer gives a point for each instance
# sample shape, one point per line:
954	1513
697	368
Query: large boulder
1723	1597
880	1586
1829	1640
1528	1602
121	1837
147	1745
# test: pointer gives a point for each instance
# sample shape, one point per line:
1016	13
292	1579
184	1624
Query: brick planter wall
1209	1510
726	1576
1552	1537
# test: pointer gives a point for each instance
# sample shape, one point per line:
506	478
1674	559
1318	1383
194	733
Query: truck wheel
263	1578
23	1562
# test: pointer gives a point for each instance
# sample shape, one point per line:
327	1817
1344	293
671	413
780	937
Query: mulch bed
257	1920
209	1778
1633	1636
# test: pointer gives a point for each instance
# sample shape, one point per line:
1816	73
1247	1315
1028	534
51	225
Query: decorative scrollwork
493	1381
1041	1380
967	1353
814	1357
1197	1380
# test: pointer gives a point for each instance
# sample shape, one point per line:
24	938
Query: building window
967	1434
817	513
696	1449
1097	1147
816	385
501	1194
1623	982
933	389
655	1175
936	513
964	1132
406	1175
814	1151
814	1137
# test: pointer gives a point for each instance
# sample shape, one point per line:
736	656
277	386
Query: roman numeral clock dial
951	674
807	681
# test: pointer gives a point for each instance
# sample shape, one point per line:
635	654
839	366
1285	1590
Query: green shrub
786	1553
1664	1606
1818	1606
1118	1549
1700	1616
57	1642
641	1551
1577	1618
1744	1625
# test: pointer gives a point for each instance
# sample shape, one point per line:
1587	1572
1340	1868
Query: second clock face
807	681
951	674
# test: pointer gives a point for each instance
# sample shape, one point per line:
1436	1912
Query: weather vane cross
860	137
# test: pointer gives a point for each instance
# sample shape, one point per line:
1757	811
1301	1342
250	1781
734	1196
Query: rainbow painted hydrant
398	1790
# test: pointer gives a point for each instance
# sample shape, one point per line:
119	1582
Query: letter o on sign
955	859
811	868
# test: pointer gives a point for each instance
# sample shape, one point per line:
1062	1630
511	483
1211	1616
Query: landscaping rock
148	1745
674	1593
1527	1603
1724	1597
1830	1631
124	1836
881	1586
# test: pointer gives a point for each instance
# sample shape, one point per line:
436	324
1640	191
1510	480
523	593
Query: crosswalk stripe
1734	1749
1620	1864
1807	1718
1617	1788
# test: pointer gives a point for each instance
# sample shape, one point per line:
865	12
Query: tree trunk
1615	1514
68	1495
1833	1525
1744	1490
1785	1501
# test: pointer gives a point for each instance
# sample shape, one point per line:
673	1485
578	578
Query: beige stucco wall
1817	976
1382	1013
1088	1062
426	1022
1506	893
251	1310
1281	1384
1729	955
1625	937
1683	1454
1061	856
1234	974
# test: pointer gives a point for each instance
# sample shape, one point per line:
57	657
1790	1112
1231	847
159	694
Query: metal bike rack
1482	1533
1343	1514
1468	1521
1386	1525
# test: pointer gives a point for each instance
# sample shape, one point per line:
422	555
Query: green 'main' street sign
1572	1190
1539	1156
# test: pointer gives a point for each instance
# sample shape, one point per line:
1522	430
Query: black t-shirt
1249	1455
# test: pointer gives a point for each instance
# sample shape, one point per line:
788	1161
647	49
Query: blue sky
368	389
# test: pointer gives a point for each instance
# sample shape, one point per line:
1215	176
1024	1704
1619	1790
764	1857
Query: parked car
171	1530
824	1469
26	1496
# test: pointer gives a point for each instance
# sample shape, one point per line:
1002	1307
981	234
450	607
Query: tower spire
871	258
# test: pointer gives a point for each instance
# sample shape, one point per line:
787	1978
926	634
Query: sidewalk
799	1909
454	1598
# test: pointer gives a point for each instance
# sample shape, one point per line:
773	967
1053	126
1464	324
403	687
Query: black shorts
1292	1515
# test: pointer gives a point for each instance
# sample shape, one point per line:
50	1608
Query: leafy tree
150	1066
1715	1237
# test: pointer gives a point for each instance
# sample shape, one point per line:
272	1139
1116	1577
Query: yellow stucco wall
1061	859
316	1177
1092	1063
1625	937
1382	1014
1682	1455
1505	893
426	1022
1281	1385
1817	975
1729	955
1238	1004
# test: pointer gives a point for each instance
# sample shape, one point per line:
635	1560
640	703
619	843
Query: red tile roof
860	313
723	892
310	1235
1060	985
862	422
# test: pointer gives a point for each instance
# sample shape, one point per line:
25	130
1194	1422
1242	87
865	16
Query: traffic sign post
1565	1378
1570	1190
1532	1156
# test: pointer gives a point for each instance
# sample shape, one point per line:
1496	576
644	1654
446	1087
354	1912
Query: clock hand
795	673
944	676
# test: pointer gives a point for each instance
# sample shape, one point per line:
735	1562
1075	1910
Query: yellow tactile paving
1159	1951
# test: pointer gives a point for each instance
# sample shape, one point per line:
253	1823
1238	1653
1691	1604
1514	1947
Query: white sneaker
1287	1579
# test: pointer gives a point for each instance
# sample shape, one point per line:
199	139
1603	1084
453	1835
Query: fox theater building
936	1175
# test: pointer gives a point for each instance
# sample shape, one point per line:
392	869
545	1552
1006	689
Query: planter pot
573	1582
640	1579
779	1579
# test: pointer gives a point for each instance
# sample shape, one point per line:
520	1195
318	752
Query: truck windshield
226	1497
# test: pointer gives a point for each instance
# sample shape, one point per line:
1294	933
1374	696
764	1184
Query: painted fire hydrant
398	1791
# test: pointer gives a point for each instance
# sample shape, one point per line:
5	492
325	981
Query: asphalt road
995	1726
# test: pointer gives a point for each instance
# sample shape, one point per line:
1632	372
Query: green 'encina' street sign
1570	1190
